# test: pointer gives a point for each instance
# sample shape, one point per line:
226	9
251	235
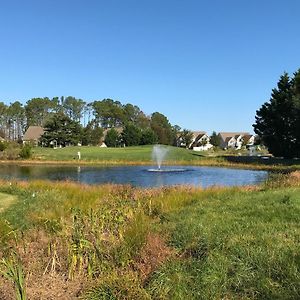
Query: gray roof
226	135
33	133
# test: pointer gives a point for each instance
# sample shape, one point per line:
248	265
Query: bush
25	151
3	146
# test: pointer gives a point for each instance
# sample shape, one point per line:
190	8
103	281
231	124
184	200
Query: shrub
3	146
25	151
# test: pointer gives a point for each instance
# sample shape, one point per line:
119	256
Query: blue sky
207	65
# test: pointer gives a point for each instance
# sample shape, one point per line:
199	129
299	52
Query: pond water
140	176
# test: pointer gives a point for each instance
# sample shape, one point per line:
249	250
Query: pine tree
278	119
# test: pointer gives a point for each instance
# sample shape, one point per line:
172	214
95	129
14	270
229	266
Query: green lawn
128	154
143	155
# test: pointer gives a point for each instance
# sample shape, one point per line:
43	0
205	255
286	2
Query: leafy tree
148	137
38	110
61	129
162	128
112	138
92	134
278	120
215	139
108	113
73	108
131	135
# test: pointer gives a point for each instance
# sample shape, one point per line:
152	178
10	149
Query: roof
197	133
119	130
33	133
225	135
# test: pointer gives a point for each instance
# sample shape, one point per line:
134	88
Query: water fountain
159	153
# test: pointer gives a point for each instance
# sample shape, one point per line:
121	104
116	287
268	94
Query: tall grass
13	271
216	243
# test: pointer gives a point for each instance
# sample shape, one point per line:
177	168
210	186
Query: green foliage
162	128
92	134
13	271
131	135
186	137
108	113
148	137
3	146
112	138
215	139
26	151
116	286
278	121
62	129
73	108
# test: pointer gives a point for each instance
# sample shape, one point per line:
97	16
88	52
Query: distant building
201	142
235	140
33	134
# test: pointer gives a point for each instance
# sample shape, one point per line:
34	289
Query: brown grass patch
153	254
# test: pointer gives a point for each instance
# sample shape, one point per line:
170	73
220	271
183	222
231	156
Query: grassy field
128	154
142	155
117	242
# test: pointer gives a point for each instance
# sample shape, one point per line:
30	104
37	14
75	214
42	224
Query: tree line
70	120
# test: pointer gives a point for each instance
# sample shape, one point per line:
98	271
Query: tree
112	138
186	137
278	120
131	135
62	129
162	128
38	110
73	108
148	137
92	134
108	113
215	139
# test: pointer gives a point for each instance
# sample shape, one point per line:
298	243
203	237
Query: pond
140	176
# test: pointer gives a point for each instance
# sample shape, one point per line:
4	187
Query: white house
201	142
234	140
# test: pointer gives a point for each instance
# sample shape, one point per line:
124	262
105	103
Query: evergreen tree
112	138
148	137
131	135
277	121
215	139
62	129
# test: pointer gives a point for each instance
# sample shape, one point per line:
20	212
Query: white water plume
159	153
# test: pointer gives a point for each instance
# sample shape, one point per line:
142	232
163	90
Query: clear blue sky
207	65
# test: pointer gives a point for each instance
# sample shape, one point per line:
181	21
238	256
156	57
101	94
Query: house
33	135
201	142
233	140
249	140
181	141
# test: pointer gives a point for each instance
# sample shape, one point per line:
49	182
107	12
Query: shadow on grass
262	160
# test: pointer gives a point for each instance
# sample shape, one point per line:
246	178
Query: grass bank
118	242
141	155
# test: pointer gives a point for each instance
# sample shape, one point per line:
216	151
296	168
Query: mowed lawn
128	154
